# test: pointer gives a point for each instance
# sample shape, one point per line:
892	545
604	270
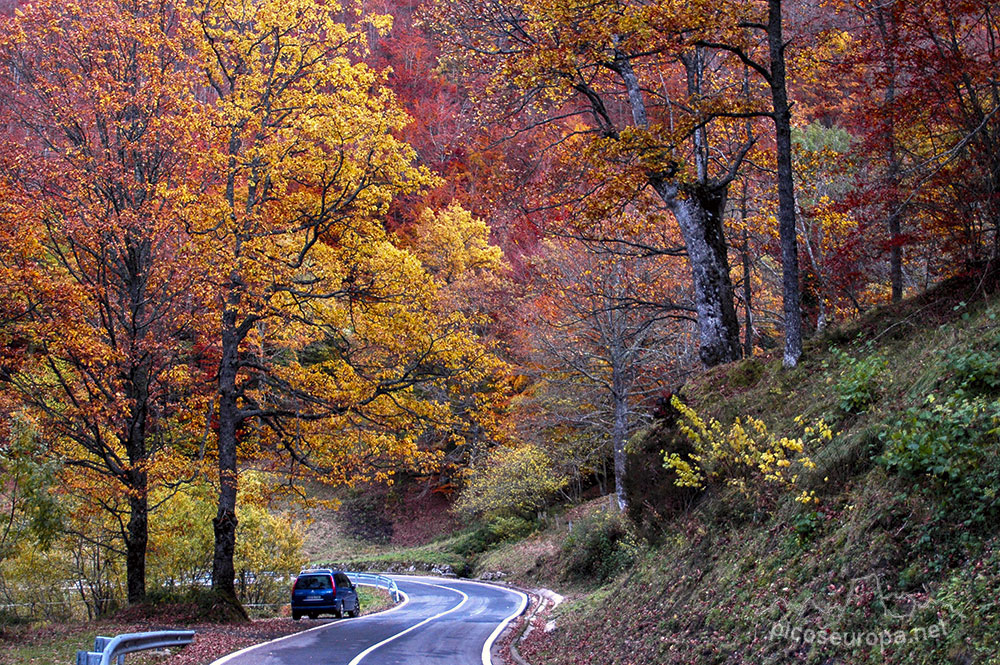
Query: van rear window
314	582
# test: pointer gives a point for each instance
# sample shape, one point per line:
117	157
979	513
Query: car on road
324	591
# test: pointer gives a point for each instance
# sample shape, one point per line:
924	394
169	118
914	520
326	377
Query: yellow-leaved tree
510	480
269	546
455	245
327	334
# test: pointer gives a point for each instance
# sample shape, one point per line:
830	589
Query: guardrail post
88	658
100	643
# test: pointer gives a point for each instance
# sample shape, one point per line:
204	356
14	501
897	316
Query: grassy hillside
895	557
897	560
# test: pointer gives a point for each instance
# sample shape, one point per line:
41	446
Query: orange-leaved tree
631	107
97	272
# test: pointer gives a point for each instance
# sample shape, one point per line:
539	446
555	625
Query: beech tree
776	78
623	89
97	272
755	34
329	334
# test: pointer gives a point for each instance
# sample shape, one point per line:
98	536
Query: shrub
860	380
504	529
498	530
653	498
746	373
975	371
806	525
950	446
599	547
743	456
37	585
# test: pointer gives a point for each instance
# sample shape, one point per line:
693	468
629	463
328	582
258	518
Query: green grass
373	599
459	551
423	558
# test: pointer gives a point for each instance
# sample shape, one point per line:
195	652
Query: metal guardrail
379	581
113	649
108	650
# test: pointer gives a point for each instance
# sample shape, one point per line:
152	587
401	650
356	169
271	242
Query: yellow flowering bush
744	455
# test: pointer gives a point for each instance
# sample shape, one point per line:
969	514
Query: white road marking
229	657
465	599
488	644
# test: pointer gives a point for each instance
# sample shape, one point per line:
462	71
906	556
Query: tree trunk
225	521
786	189
887	32
137	479
137	529
136	543
895	249
137	475
699	213
747	290
620	385
618	440
223	568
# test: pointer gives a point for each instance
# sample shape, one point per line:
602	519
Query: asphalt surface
442	622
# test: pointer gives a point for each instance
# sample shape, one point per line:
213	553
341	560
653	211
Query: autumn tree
472	282
93	102
510	480
931	134
776	77
838	255
623	91
606	325
888	39
441	122
327	329
755	33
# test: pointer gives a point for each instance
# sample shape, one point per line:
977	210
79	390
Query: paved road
441	622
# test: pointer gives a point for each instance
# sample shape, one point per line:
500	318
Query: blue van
324	591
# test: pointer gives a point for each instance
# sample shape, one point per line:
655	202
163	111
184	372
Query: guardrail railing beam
378	581
113	649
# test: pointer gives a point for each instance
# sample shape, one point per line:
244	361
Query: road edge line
230	656
488	645
465	598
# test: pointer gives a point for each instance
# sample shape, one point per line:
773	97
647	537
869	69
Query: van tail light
333	585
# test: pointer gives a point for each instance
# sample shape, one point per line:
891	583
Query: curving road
441	622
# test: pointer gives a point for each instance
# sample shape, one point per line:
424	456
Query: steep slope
895	560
